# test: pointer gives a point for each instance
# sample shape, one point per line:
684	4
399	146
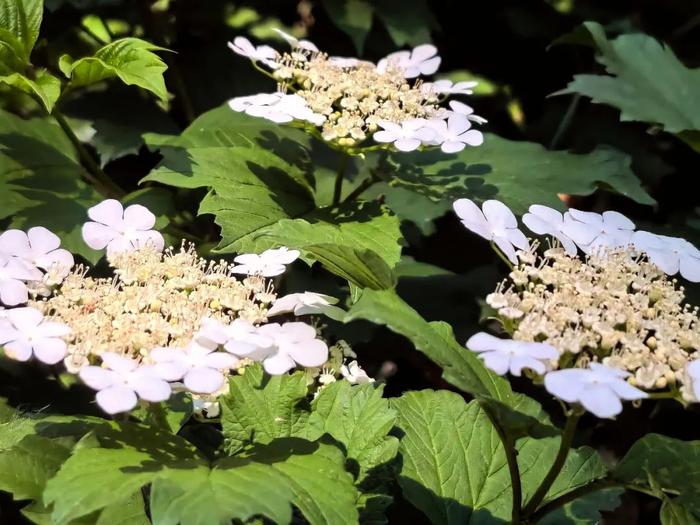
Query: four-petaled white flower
119	229
504	355
454	134
495	223
422	60
296	43
240	338
13	274
406	136
693	371
199	368
671	254
121	381
598	388
38	247
277	107
544	220
306	303
268	264
293	344
593	231
354	374
447	87
462	109
24	332
264	54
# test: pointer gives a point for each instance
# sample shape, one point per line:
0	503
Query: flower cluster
168	320
598	328
350	100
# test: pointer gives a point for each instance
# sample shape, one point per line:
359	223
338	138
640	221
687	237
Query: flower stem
501	255
513	468
564	447
565	121
94	173
340	174
361	188
571	496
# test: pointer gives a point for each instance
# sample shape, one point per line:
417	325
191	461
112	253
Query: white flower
240	338
447	87
24	332
693	371
206	408
268	264
503	355
327	376
119	229
591	231
671	254
197	366
345	62
454	134
544	220
265	54
598	388
13	274
422	60
123	382
277	107
354	374
496	223
462	109
306	303
38	248
294	344
406	136
295	42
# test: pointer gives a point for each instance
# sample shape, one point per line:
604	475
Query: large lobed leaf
132	60
647	82
454	468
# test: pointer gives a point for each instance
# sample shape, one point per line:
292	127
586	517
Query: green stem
513	468
340	174
571	496
361	188
94	173
501	255
565	121
564	447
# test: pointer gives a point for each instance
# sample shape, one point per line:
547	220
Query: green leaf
517	173
407	21
461	367
584	510
260	408
647	82
19	29
353	17
454	467
409	267
673	513
360	419
40	181
130	59
44	86
661	463
27	466
130	511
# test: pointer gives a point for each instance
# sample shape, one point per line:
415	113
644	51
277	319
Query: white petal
668	261
472	137
586	217
98	378
52	329
690	268
19	350
517	238
404	144
423	52
170	371
518	362
150	238
581	233
626	391
429	66
150	387
58	260
472	217
537	224
601	401
617	220
98	236
13	292
138	217
282	255
118	363
458	124
109	212
220	361
547	214
506	247
482	342
496	361
285	304
565	384
309	353
42	240
452	146
15	242
498	214
25	319
50	350
204	380
7	332
278	364
116	399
